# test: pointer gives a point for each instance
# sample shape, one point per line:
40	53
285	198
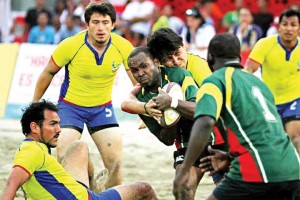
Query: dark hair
289	13
103	8
35	113
224	45
138	50
164	42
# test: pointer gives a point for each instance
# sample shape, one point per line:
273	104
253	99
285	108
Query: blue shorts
109	194
289	111
95	118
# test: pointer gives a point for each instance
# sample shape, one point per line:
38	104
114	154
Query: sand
144	158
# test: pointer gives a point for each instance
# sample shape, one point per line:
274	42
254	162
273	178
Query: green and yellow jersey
255	133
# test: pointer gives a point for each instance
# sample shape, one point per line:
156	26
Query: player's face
289	29
179	58
144	70
50	129
99	28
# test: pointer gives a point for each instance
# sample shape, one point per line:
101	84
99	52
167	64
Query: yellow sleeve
67	49
199	68
260	50
30	157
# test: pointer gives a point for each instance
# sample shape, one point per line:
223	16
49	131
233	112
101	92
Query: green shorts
230	189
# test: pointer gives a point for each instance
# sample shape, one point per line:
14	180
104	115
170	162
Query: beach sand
144	158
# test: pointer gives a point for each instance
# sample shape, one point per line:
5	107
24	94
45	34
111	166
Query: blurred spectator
168	20
60	9
69	29
57	26
79	10
232	17
42	33
274	27
17	30
78	22
211	13
247	32
294	6
263	18
32	14
138	13
196	33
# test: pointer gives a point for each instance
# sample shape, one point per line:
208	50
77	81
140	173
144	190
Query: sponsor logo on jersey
115	66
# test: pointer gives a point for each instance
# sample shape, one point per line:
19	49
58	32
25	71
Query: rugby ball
171	116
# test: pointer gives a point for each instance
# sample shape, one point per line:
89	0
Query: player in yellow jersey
91	60
42	177
279	58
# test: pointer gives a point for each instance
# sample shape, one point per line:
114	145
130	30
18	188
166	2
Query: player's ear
156	62
210	60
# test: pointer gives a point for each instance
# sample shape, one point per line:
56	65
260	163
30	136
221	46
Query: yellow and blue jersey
89	77
198	67
48	179
280	68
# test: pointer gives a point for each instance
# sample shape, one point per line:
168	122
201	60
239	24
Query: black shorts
230	189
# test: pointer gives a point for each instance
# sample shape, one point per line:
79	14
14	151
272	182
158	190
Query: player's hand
152	110
179	185
162	100
217	161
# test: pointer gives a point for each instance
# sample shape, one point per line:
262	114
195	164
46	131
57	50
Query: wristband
174	103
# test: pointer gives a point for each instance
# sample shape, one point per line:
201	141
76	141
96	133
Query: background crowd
204	18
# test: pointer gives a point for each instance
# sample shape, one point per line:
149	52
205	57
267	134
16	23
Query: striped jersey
261	149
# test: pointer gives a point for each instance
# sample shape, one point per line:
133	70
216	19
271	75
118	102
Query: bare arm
251	65
134	106
45	79
16	179
167	135
198	140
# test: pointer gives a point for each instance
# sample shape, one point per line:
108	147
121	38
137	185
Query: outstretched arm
16	179
45	79
216	162
251	65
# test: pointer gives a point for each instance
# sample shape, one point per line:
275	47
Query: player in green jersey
265	164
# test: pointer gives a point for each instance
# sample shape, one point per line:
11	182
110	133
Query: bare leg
137	191
293	130
195	175
67	136
109	144
75	161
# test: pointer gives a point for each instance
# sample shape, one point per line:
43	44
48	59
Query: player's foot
100	181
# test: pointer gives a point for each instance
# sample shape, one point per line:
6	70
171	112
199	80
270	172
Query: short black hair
164	42
225	45
35	113
103	8
289	13
138	50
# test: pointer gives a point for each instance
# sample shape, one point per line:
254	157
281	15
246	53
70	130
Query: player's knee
145	190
